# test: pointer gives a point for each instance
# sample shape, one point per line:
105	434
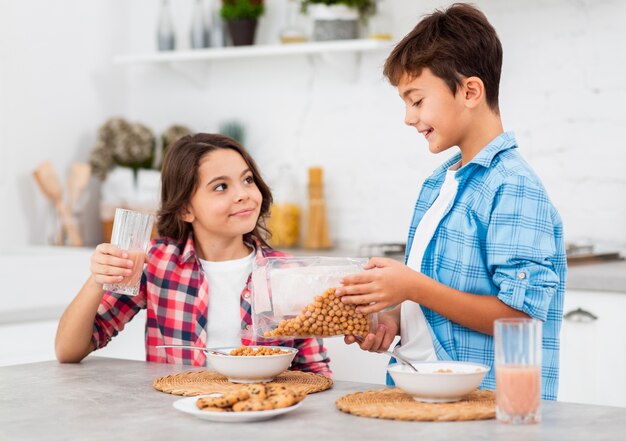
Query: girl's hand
109	264
388	328
386	283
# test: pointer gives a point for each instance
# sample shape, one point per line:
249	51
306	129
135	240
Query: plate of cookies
251	402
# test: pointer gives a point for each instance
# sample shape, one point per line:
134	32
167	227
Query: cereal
248	351
326	317
251	398
443	371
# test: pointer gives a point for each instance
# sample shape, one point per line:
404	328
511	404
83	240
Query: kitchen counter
609	276
104	399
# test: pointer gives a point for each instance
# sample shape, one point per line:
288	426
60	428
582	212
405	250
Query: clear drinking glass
518	370
131	232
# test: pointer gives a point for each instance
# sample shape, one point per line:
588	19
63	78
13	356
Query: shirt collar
501	143
485	157
189	251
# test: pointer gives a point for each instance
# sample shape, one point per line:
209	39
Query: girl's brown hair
179	181
455	43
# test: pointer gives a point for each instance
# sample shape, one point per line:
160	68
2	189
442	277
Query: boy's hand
386	283
388	328
109	264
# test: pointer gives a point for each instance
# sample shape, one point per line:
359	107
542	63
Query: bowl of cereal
252	364
438	381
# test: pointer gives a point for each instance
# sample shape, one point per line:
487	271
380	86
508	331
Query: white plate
188	405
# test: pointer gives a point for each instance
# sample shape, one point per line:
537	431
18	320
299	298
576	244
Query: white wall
561	93
57	85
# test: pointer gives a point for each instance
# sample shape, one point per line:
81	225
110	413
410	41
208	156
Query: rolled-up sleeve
114	312
521	247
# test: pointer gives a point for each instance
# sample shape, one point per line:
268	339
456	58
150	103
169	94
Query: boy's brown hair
179	181
453	43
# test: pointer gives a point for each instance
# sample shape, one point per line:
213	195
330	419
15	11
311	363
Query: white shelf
360	45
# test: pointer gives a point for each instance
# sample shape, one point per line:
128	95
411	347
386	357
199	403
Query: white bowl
431	386
251	369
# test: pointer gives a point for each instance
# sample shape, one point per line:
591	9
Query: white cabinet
27	342
593	348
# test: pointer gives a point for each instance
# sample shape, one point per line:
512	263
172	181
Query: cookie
252	406
282	400
274	389
221	401
256	391
216	409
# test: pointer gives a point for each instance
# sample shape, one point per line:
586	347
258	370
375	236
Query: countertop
609	276
104	399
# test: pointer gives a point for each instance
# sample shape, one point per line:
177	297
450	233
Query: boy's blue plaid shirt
501	237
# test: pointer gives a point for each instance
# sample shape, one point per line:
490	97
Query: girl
196	284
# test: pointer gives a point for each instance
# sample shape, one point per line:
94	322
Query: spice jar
284	220
317	236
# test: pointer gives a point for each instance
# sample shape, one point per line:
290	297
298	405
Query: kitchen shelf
240	52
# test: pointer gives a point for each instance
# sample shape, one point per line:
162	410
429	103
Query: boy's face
433	110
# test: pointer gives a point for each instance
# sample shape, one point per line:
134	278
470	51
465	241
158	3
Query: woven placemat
204	382
393	404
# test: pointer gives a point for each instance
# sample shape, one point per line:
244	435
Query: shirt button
246	295
248	327
521	276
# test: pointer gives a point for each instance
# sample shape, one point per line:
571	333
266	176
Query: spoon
393	354
217	351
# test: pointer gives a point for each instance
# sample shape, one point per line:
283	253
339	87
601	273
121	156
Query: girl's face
433	110
227	202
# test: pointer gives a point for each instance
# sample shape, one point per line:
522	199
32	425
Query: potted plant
337	19
241	16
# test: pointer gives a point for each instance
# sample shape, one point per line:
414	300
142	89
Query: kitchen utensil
317	236
188	405
393	354
252	369
518	350
438	381
50	184
131	232
76	183
194	347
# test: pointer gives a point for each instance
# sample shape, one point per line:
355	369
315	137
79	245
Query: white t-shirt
415	337
226	282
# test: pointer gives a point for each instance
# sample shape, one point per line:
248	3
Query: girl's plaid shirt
176	295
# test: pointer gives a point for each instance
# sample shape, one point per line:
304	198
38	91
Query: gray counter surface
105	399
609	276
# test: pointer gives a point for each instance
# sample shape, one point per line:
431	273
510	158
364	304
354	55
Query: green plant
366	8
242	9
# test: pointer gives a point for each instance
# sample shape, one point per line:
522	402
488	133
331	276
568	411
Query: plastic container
294	297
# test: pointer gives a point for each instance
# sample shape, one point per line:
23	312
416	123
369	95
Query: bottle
284	220
199	33
317	236
379	25
292	32
166	40
216	27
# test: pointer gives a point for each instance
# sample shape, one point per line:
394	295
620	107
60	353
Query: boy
485	242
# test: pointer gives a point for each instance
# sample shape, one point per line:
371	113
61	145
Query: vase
334	22
242	31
